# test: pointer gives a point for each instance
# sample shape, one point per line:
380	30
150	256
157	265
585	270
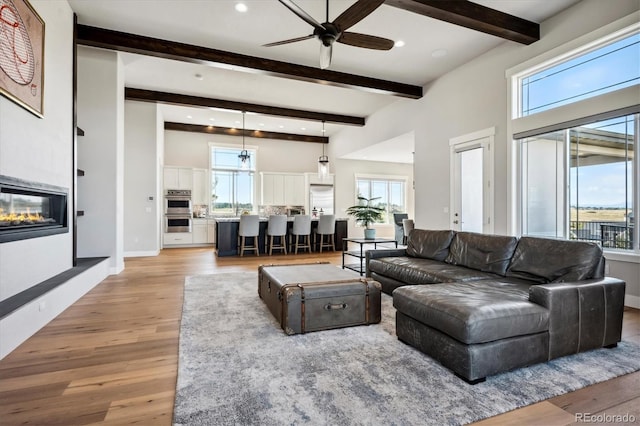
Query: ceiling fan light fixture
241	7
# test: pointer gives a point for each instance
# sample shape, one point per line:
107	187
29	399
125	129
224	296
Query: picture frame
22	33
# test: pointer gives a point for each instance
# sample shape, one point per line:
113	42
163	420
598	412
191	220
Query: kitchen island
227	234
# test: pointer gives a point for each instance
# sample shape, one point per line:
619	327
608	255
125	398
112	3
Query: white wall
101	155
468	99
141	160
40	149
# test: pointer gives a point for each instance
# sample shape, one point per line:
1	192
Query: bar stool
407	227
301	228
326	226
277	227
249	228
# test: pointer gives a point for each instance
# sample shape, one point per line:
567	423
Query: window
575	167
389	191
609	67
578	183
232	188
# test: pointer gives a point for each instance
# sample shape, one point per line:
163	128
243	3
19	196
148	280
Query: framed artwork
22	55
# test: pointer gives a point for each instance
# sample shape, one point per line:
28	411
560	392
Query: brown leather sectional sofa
484	304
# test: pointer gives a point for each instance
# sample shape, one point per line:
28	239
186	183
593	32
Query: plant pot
369	234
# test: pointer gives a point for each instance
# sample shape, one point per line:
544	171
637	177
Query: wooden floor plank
542	413
112	357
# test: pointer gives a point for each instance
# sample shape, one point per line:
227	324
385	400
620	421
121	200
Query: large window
389	191
232	187
579	182
609	67
576	168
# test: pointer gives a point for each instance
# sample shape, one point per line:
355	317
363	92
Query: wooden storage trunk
313	297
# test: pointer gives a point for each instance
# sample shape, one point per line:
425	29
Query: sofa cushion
546	260
488	253
429	244
413	270
474	312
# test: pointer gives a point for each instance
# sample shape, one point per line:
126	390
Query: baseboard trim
149	253
632	301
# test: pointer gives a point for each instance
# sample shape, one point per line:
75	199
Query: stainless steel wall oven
178	210
178	201
177	223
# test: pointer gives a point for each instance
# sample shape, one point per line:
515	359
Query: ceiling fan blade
291	40
366	41
325	55
356	13
302	14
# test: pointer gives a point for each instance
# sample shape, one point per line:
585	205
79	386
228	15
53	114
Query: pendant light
245	158
323	161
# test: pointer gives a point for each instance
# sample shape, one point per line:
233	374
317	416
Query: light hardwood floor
112	356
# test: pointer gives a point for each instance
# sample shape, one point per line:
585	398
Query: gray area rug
238	367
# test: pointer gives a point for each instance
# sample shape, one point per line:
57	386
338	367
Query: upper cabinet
199	192
283	189
178	178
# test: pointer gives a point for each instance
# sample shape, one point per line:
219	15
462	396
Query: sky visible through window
616	66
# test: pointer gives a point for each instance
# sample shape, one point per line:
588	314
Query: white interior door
471	198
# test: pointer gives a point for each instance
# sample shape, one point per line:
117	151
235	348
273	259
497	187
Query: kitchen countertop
263	219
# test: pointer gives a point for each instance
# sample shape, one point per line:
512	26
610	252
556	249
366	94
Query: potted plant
365	214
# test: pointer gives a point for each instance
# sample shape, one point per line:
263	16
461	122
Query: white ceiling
216	24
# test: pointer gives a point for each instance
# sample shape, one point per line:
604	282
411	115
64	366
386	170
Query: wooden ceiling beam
216	130
198	101
133	43
474	16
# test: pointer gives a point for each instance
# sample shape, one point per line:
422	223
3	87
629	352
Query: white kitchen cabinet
178	178
294	192
178	238
199	193
199	231
283	189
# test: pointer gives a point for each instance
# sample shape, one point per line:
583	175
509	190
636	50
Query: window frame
387	179
253	152
609	105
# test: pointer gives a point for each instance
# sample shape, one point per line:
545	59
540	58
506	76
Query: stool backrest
277	225
301	224
327	224
249	225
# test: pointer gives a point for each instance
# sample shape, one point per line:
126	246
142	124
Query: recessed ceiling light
241	7
262	124
399	43
237	122
188	116
439	53
303	128
212	119
281	126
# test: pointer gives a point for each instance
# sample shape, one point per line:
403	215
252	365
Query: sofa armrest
378	253
583	315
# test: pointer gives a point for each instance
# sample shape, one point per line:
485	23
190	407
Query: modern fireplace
31	209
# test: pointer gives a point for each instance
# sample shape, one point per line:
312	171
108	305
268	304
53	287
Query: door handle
455	221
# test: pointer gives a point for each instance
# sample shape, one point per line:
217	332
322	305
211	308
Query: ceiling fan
330	32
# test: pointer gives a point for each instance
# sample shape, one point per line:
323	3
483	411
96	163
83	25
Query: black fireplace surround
31	209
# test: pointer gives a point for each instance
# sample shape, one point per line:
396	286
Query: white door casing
469	149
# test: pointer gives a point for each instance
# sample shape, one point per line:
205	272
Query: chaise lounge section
483	304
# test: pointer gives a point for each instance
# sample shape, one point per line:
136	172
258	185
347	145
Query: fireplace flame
21	218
